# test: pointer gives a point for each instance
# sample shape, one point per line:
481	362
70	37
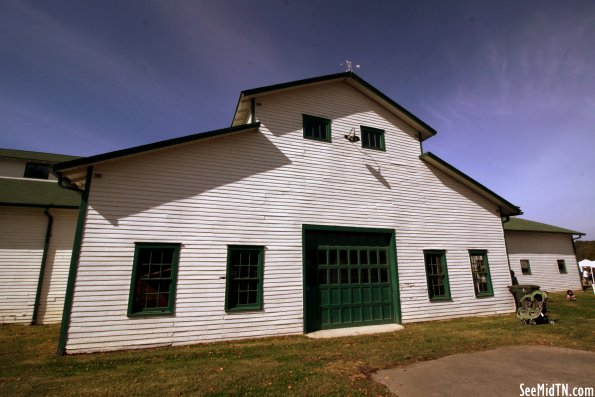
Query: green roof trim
330	77
525	225
36	193
508	209
35	156
152	146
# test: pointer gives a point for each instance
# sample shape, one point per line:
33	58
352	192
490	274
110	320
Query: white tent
587	263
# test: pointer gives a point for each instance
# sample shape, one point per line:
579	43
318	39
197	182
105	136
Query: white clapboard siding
53	288
22	235
543	250
259	188
12	168
22	238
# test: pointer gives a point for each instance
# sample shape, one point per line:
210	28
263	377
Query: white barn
542	254
316	209
37	224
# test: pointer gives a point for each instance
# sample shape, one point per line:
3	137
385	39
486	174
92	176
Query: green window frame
437	275
372	138
480	269
316	128
525	267
562	266
244	278
154	277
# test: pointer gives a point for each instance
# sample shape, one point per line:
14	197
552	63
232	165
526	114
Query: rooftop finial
349	66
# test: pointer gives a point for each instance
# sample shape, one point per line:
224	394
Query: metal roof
84	161
35	156
36	193
525	225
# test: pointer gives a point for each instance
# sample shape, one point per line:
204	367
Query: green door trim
392	251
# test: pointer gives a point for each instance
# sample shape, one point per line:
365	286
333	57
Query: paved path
495	373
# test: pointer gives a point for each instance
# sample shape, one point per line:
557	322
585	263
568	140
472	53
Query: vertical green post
74	260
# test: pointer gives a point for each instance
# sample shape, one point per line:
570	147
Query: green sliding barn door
349	278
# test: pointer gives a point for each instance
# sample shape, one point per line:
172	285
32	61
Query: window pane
344	276
332	257
354	276
363	257
334	276
384	275
383	257
365	276
353	257
343	257
373	257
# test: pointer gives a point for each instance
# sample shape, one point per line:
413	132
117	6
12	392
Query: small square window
153	283
244	278
562	266
437	275
525	267
37	170
372	138
317	128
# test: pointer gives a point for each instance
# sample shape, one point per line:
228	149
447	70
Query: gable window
562	266
482	282
525	267
372	138
437	275
154	272
37	170
317	128
244	278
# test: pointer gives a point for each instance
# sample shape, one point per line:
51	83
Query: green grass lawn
292	365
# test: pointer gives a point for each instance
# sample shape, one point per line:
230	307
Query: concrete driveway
507	371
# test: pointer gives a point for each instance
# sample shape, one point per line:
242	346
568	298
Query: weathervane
349	66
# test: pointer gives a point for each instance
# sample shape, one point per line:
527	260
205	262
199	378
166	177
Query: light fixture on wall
351	137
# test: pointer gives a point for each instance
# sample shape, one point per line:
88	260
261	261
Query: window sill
150	314
482	296
441	299
317	139
244	309
373	148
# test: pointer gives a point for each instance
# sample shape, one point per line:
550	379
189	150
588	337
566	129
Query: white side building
542	254
37	223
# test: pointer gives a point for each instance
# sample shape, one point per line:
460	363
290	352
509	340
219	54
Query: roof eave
60	168
506	207
527	225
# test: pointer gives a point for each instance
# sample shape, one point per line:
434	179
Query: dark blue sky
508	85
